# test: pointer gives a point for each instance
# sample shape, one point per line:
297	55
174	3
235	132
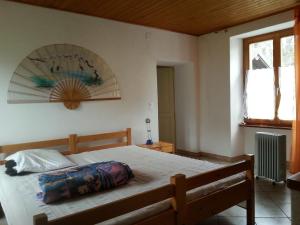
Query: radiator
271	156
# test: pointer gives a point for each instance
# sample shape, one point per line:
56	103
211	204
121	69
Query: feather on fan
62	73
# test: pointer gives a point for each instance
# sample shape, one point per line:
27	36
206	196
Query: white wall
220	89
186	106
131	51
214	94
236	96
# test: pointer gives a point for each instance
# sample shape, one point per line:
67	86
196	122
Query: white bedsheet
151	169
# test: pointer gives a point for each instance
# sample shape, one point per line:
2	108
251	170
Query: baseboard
187	153
209	155
216	156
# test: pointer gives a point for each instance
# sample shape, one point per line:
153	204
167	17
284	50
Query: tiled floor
273	207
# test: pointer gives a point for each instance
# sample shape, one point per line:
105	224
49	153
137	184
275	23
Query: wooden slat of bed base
111	210
34	145
218	174
209	205
100	147
167	217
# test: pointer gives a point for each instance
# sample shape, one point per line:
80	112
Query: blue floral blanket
81	180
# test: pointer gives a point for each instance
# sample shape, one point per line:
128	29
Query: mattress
152	169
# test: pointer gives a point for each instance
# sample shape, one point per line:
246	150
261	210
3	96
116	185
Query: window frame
276	37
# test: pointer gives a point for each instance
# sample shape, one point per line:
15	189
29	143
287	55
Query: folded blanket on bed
82	180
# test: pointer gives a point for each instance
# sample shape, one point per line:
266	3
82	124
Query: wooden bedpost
178	201
40	219
129	141
73	143
251	200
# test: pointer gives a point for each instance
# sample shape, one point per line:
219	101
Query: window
269	79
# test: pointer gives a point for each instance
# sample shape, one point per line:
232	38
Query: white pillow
39	160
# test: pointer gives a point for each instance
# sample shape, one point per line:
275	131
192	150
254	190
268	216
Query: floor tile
3	221
295	221
268	186
273	221
233	212
232	221
294	208
269	211
280	197
286	208
211	221
265	207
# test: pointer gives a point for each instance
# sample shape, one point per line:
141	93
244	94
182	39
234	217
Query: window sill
265	126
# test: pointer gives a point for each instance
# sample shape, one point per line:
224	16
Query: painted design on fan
85	78
62	73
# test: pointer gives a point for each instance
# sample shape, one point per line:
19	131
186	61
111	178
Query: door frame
174	102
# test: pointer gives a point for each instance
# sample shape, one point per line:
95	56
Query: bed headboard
120	138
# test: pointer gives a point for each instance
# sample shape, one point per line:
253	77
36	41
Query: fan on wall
62	73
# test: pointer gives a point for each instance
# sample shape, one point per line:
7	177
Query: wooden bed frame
181	211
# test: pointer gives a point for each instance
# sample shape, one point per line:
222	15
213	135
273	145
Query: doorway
166	104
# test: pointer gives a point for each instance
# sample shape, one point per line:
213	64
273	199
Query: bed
167	189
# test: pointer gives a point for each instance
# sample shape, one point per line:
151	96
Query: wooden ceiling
194	17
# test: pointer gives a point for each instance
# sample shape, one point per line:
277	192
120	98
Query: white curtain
286	110
260	94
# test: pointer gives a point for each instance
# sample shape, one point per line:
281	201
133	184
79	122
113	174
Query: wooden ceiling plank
185	16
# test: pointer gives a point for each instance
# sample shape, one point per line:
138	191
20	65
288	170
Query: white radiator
271	156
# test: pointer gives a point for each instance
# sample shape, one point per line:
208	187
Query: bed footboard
180	212
117	208
204	207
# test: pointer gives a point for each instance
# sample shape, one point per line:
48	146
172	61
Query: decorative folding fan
62	73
